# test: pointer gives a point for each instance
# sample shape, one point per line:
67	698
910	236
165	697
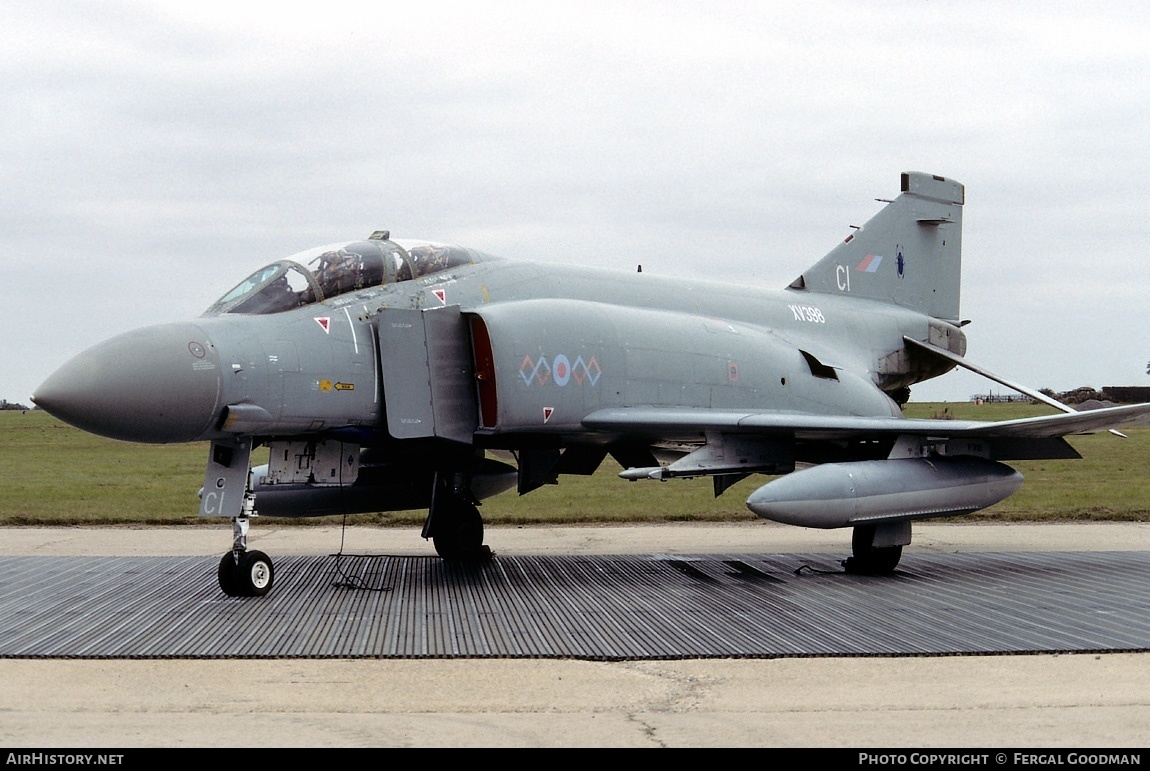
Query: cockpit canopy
334	270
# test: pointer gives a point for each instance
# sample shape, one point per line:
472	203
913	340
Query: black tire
255	574
868	559
459	532
229	576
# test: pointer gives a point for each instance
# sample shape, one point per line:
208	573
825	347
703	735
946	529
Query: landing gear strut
877	548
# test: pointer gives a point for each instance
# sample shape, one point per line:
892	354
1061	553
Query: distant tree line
7	405
1108	395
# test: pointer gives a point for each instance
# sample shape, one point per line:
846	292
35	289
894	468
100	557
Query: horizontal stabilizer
961	361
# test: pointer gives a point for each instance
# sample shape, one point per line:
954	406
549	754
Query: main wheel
458	531
255	574
868	559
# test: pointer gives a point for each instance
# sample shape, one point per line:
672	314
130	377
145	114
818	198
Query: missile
862	492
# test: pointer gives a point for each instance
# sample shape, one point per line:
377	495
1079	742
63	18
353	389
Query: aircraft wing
673	421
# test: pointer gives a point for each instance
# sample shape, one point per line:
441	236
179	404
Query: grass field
55	474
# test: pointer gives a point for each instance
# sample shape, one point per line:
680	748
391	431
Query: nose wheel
249	574
244	573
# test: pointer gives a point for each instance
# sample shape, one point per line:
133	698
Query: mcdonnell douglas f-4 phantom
380	373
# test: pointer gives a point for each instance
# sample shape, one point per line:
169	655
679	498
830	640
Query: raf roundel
561	370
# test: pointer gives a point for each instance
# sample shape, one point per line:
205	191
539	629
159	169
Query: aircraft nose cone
158	384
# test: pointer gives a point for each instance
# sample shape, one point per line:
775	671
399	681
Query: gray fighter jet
381	373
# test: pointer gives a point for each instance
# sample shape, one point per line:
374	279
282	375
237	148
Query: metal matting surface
589	607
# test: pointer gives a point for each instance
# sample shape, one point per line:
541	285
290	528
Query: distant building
989	398
1127	394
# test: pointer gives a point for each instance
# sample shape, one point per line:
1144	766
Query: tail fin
909	254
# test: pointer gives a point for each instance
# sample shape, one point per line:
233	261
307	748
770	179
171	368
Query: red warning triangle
547	412
441	294
324	322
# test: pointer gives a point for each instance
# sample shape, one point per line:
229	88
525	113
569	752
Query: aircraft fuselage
565	341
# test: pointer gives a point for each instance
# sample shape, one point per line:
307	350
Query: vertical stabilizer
909	254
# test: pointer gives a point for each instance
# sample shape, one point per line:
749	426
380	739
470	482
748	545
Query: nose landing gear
244	573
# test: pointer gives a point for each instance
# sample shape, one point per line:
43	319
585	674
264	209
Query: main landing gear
877	548
453	523
244	573
458	535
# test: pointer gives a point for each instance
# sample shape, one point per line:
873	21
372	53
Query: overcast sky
152	154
